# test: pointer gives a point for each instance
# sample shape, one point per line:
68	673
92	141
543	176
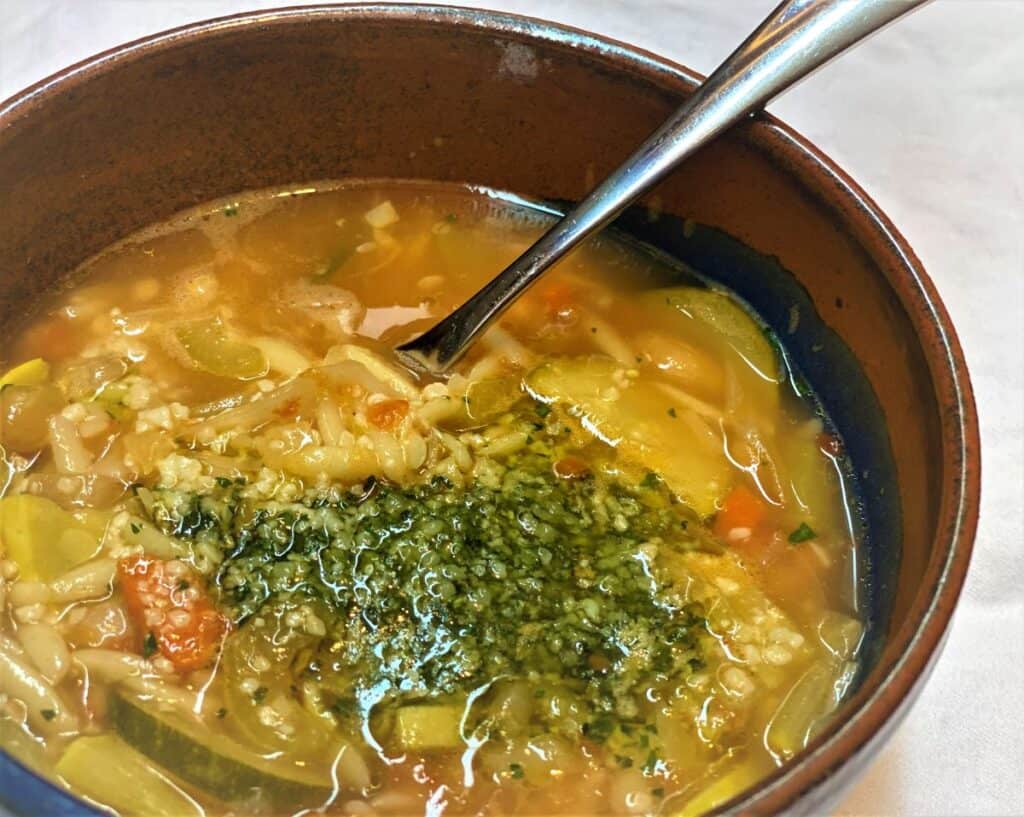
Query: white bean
88	581
47	650
23	594
460	453
112	666
69	453
328	421
45	710
389	454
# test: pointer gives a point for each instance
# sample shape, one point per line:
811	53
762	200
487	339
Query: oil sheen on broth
251	565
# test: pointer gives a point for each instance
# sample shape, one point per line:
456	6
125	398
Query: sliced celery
428	726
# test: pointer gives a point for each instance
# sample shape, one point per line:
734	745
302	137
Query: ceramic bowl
282	97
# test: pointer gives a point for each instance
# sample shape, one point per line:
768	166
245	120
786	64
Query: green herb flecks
434	590
804	533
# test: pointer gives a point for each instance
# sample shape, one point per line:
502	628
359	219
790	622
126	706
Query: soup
252	565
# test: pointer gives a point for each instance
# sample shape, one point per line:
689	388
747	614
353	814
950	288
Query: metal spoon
794	40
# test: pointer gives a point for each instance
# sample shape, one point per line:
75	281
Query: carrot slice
387	413
558	296
742	510
168	603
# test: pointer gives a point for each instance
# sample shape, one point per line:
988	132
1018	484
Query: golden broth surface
219	584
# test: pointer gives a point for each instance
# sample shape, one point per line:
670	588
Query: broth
251	565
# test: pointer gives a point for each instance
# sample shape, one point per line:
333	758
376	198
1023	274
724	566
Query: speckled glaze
280	97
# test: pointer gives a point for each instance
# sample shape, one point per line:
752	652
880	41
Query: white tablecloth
929	118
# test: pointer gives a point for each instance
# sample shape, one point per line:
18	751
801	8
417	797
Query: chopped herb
224	482
651	481
539	693
183	585
672	413
593	329
335	262
651	764
625	761
222	712
259	695
516	770
639	359
451	218
658	792
48	714
599	729
803	533
231	210
149	646
542	409
135	527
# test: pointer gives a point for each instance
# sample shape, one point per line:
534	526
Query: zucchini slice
215	763
111	772
644	423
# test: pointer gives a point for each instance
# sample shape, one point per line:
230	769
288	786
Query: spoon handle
794	40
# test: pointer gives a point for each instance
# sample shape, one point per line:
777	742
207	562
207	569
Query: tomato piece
387	413
167	602
570	467
289	410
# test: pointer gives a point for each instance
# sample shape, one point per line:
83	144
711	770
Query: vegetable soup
251	565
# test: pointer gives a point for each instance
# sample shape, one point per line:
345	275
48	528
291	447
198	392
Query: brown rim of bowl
875	710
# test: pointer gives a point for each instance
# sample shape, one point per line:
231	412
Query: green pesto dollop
435	590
